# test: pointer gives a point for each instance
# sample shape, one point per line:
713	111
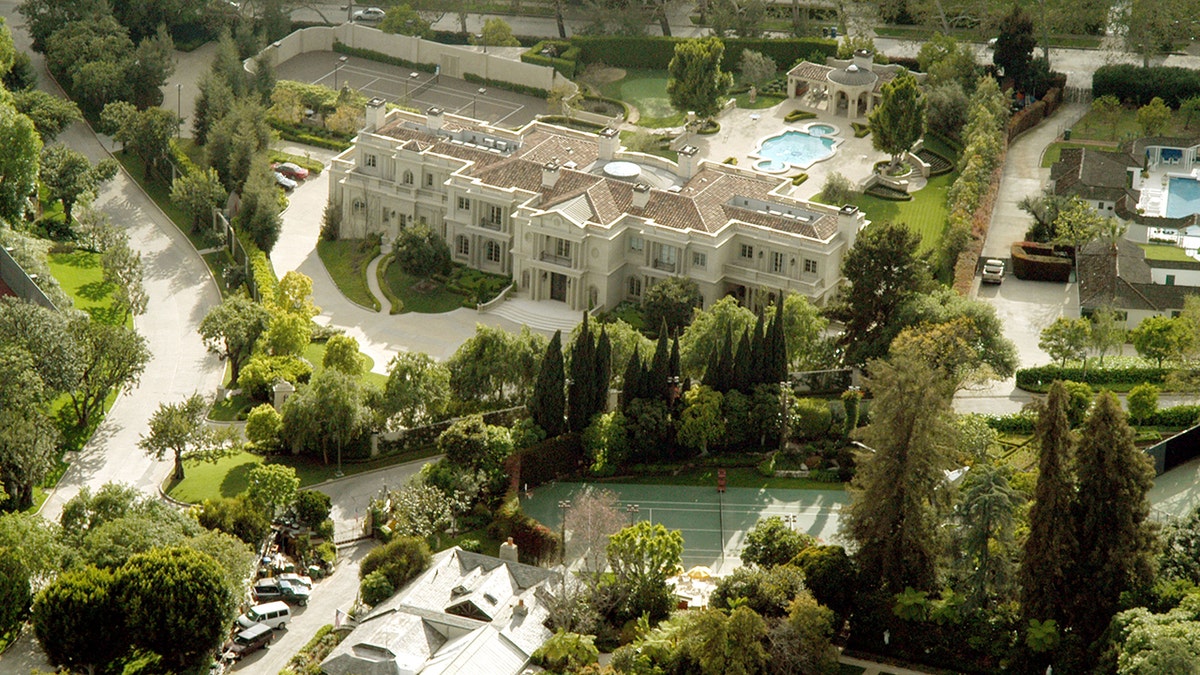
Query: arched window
493	251
462	245
408	177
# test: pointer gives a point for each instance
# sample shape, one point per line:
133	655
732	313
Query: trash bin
1067	135
833	32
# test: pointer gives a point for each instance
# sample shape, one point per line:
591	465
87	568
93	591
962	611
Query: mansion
572	217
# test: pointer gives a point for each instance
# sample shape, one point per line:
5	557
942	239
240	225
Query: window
408	177
777	263
636	244
699	259
462	245
1170	279
810	266
747	252
562	248
370	160
359	205
493	252
464	203
428	180
635	287
495	214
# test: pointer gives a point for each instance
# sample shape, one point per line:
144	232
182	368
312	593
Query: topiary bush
375	588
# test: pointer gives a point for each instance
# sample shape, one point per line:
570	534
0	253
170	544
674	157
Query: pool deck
742	130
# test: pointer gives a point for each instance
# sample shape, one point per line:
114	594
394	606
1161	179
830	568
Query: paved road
351	495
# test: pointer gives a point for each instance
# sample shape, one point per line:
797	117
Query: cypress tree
1046	565
723	378
660	367
758	350
1115	544
603	374
741	376
631	387
583	370
777	360
549	398
673	366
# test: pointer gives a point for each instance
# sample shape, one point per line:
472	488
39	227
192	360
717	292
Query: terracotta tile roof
810	71
544	145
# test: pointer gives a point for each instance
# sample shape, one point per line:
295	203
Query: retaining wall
25	287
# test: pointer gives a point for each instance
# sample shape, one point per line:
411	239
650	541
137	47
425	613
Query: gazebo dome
853	76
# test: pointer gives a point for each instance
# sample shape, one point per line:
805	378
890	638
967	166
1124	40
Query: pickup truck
266	590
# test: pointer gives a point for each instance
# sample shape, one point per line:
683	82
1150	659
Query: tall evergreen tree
1046	565
631	388
758	351
583	371
673	364
603	374
656	381
776	343
741	375
548	403
1115	543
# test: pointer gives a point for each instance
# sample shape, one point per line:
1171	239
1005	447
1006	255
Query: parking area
414	89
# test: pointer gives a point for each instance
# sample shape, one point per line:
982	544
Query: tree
330	411
757	68
802	642
146	133
78	621
606	442
67	174
593	517
1188	108
695	80
1107	333
50	114
15	595
703	337
771	543
404	20
236	516
497	33
313	507
1142	401
1066	339
421	253
400	560
717	644
581	404
566	652
947	109
547	406
641	558
259	216
898	120
123	269
701	422
495	366
883	271
1109	518
37	544
28	448
671	301
831	576
235	141
181	429
417	390
1157	644
895	508
1014	46
472	444
213	102
272	487
19	162
837	189
231	329
1160	338
1154	117
108	358
341	353
988	515
177	599
198	193
947	61
152	62
649	427
1108	108
984	346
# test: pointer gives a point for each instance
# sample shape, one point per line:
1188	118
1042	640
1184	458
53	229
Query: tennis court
713	526
414	89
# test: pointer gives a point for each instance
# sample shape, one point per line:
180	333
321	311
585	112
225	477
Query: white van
274	614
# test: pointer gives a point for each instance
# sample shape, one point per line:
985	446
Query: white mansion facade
572	217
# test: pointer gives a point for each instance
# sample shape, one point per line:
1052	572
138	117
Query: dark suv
247	642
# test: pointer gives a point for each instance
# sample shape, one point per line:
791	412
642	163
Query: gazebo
849	87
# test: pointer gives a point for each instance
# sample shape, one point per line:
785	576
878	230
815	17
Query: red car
291	170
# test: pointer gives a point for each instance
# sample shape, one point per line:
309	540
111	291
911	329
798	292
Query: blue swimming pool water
821	130
1183	197
797	148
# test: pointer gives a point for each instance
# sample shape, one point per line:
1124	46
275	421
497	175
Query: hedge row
1031	115
535	542
182	161
1137	85
314	136
1037	262
371	54
262	275
565	62
655	52
508	86
549	460
1178	417
1016	423
1039	378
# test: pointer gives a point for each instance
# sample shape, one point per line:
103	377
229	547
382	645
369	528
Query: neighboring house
851	87
467	613
1097	177
572	217
1120	277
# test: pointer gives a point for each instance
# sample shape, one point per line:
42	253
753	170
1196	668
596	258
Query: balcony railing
547	256
490	225
665	266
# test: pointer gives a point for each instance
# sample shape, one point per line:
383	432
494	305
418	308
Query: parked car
369	15
278	589
274	614
293	578
293	171
247	642
284	182
993	271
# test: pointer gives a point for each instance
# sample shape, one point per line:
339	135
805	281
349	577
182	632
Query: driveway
351	495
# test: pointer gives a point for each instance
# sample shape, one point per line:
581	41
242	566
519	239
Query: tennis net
424	86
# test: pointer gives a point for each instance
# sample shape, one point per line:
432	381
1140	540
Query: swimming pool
1183	197
800	149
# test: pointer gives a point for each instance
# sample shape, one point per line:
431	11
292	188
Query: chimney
863	59
610	141
376	113
850	221
433	118
641	195
689	161
508	551
550	174
520	609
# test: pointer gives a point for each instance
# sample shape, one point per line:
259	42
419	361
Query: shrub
1137	85
799	178
263	425
810	418
1015	423
262	276
399	561
375	588
1038	379
766	591
261	372
860	130
766	467
561	56
343	48
837	189
797	115
655	52
1038	262
472	545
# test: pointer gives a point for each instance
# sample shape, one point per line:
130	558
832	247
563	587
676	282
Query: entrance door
558	287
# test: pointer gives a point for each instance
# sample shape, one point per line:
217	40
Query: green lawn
347	260
761	101
432	299
647	91
82	277
315	353
232	408
925	214
1095	127
735	477
1166	252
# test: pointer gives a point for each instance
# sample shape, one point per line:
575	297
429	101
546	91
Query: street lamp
475	99
632	510
338	66
563	505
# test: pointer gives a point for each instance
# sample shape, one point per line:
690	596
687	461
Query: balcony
547	256
665	266
491	225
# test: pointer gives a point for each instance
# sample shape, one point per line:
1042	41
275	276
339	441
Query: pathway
874	668
385	305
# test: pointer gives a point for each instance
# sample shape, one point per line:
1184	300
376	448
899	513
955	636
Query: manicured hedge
655	52
181	160
535	542
343	48
1016	423
1137	85
314	136
1039	378
549	460
508	86
1037	262
565	62
262	275
1180	416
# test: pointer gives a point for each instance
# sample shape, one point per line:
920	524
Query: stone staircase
544	316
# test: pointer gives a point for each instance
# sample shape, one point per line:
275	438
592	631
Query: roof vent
459	590
852	68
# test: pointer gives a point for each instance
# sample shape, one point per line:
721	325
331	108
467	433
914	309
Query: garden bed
347	260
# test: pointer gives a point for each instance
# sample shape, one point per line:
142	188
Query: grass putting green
81	276
347	260
647	91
